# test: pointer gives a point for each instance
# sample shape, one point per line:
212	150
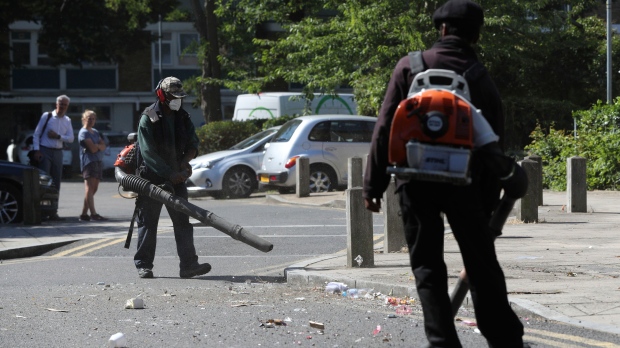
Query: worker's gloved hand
515	184
178	177
373	205
185	166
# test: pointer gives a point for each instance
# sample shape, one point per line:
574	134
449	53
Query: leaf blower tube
515	187
144	187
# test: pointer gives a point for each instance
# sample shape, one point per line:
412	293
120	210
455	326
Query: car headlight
45	180
205	165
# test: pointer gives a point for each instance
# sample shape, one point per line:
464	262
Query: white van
275	104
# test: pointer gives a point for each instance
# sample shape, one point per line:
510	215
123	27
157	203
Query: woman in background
92	146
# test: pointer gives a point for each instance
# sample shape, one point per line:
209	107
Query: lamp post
608	51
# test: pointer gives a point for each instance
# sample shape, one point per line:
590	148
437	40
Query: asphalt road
75	296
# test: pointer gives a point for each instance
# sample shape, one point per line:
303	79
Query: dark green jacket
164	139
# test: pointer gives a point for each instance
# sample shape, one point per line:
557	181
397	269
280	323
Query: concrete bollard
302	177
539	177
359	230
31	197
355	172
576	185
527	207
393	227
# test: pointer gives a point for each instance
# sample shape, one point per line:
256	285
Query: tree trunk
206	24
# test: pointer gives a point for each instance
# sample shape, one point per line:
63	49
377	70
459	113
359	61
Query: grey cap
173	86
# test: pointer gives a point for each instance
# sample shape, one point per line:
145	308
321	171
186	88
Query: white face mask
175	104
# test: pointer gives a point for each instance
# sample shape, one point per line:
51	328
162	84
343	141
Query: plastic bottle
335	288
351	293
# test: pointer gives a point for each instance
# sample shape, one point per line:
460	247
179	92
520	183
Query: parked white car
328	141
23	145
229	173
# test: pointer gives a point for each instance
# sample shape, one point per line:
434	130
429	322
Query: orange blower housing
431	117
126	159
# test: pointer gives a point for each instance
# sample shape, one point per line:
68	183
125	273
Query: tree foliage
79	31
547	57
597	140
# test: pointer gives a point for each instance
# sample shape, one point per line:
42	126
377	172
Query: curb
297	275
32	251
337	203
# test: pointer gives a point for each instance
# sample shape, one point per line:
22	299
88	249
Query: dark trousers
52	164
148	218
421	204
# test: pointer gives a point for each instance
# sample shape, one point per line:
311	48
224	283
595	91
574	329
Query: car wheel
322	178
11	208
239	182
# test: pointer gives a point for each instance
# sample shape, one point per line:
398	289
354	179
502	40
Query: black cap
459	11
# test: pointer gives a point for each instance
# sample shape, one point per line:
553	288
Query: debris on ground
134	303
317	325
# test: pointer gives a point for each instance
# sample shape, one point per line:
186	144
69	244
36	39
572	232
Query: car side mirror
266	146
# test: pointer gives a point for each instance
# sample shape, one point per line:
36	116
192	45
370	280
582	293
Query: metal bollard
31	197
302	177
576	185
393	227
359	230
527	207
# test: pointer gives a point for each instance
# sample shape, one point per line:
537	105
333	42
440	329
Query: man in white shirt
53	130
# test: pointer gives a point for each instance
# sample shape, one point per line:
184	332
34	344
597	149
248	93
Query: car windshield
252	140
286	131
117	140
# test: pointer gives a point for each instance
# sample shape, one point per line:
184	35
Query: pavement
565	267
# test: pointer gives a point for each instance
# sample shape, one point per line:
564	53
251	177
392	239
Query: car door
347	138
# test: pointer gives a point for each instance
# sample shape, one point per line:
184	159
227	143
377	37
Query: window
188	49
21	47
188	44
166	51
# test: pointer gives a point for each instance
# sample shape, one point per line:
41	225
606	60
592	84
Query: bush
222	135
598	140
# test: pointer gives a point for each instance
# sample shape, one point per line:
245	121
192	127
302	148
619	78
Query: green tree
547	57
75	32
597	140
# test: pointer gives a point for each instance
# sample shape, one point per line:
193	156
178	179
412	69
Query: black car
11	192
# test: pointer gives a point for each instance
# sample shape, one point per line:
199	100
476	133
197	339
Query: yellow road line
69	251
574	338
549	343
115	241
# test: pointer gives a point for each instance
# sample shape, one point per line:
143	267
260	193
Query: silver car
327	140
229	173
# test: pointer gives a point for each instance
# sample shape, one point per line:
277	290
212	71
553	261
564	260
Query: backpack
435	129
127	159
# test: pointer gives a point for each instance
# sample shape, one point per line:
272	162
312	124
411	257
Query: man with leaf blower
447	157
167	141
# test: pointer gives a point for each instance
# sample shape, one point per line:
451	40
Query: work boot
145	273
195	270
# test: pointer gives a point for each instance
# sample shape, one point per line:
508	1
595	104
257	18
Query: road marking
572	338
114	241
549	343
69	251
